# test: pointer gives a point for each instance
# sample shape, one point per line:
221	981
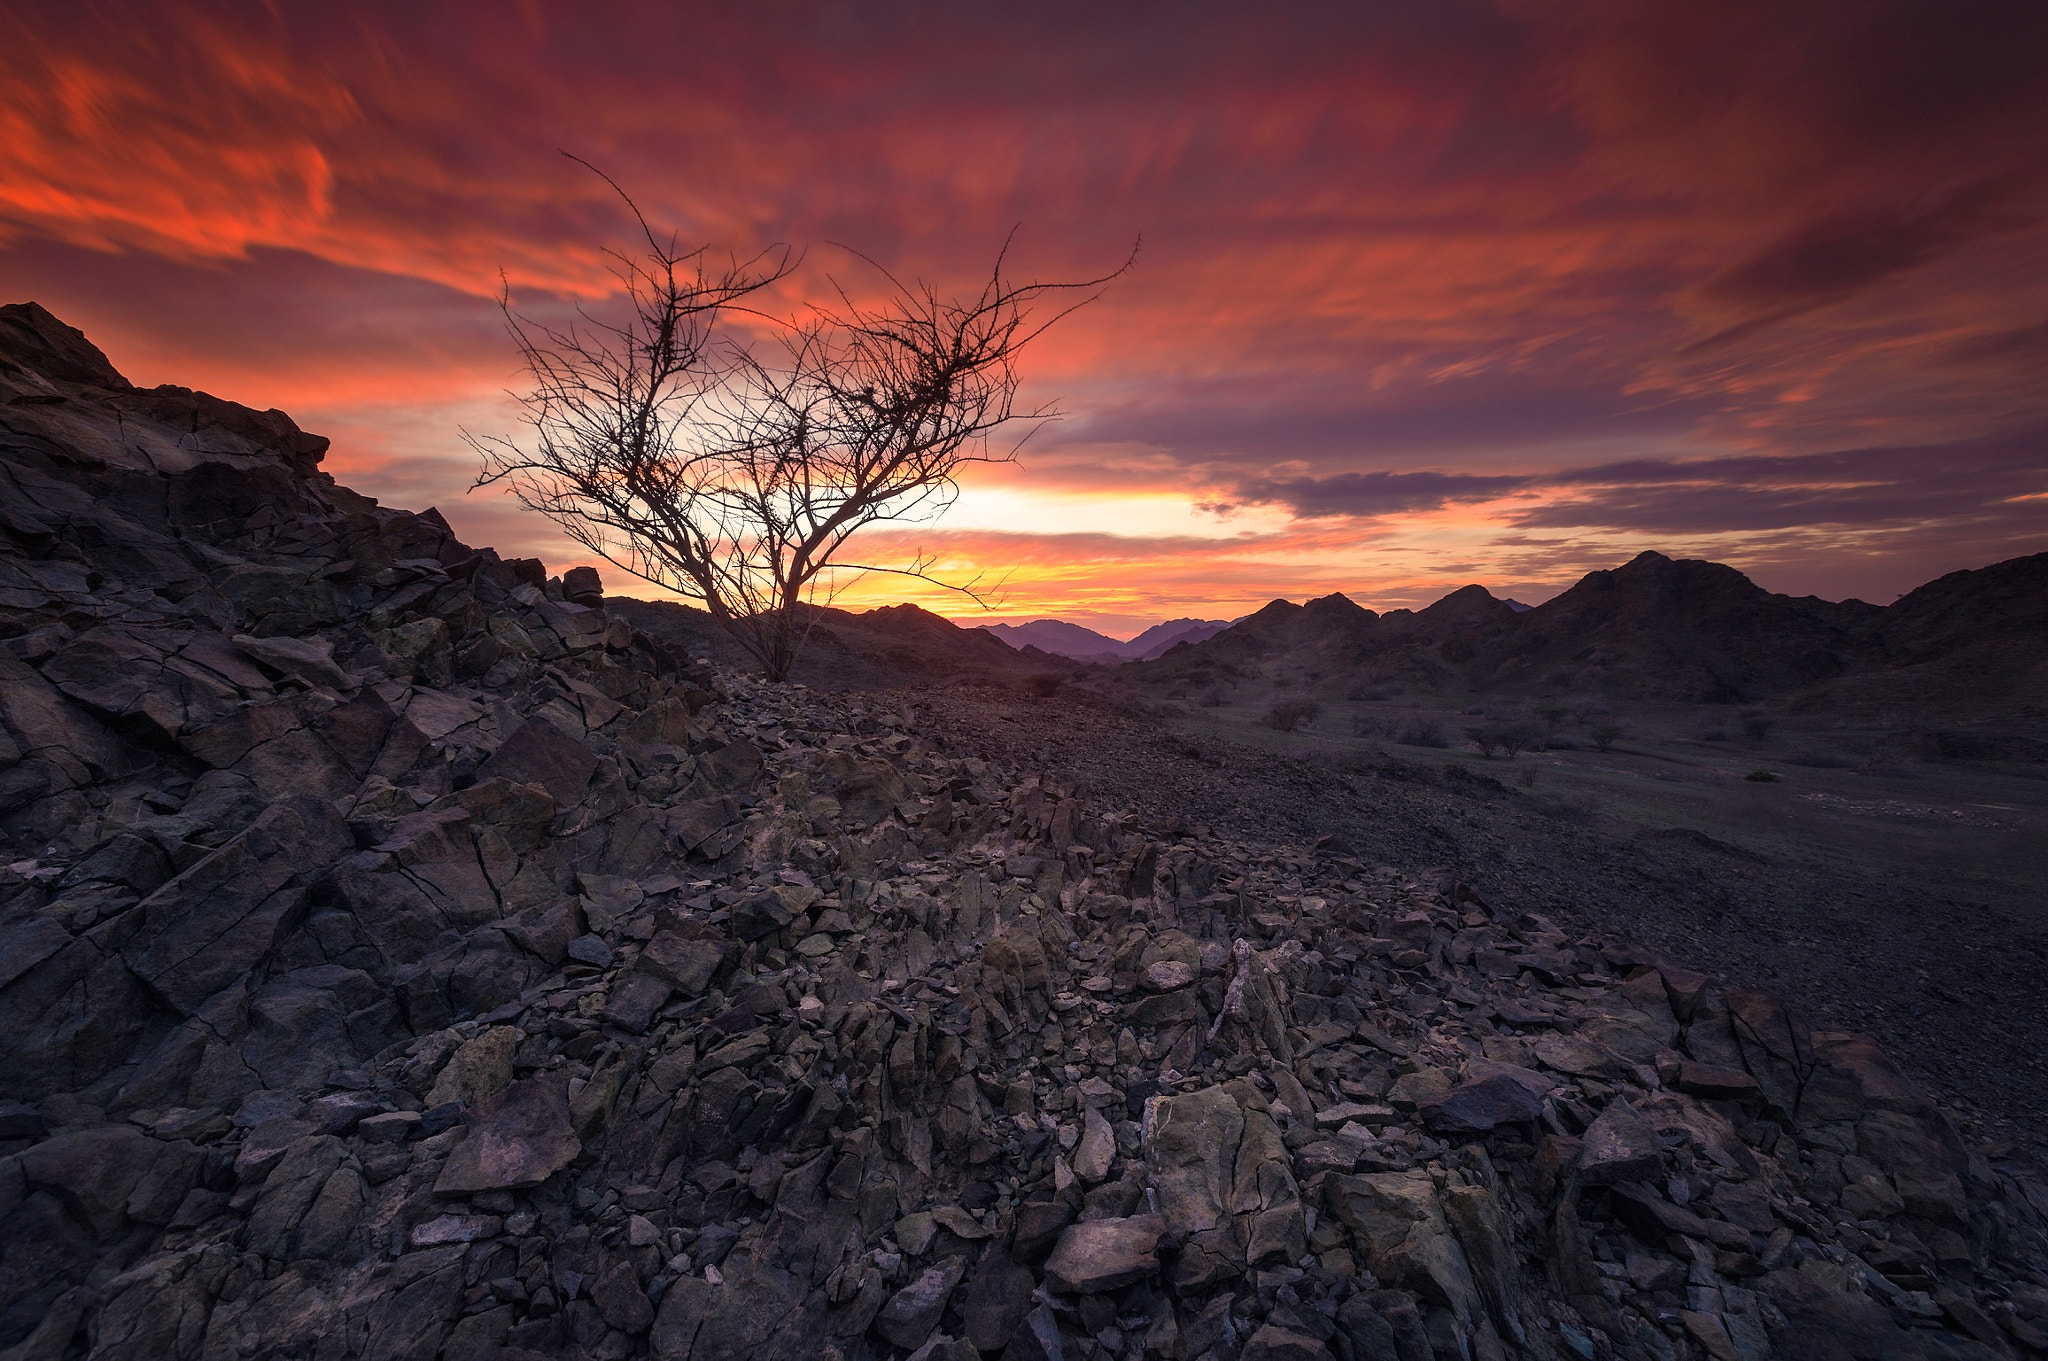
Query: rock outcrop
402	957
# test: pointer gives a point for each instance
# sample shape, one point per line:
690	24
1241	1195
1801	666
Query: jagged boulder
518	1137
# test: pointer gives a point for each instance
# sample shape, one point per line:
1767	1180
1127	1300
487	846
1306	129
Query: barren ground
1920	927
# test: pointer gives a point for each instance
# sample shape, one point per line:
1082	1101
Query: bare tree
1424	732
733	471
1510	738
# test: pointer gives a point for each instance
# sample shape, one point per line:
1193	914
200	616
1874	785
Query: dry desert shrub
1288	714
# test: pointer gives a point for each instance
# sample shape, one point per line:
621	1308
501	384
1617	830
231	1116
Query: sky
1425	293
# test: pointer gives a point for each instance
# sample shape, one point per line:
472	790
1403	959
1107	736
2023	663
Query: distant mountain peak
1337	604
1058	637
1161	638
1472	603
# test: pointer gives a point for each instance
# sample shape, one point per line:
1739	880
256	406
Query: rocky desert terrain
402	954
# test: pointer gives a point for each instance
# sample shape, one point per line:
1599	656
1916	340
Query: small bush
1507	738
1603	734
1044	684
1425	732
1756	724
1761	777
1289	714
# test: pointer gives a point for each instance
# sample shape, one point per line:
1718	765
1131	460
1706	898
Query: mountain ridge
1659	628
1063	639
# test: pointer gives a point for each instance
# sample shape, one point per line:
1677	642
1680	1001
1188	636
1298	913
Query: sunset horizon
1424	297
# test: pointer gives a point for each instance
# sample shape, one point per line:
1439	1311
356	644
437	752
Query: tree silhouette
734	470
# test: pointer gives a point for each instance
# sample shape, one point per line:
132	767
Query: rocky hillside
1683	629
877	649
401	956
1974	642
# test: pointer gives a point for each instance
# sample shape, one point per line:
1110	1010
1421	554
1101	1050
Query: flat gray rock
912	1312
1478	1106
1620	1146
517	1138
1105	1254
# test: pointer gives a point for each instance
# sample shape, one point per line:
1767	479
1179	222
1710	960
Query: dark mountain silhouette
2003	604
1163	638
1058	638
1658	628
1971	644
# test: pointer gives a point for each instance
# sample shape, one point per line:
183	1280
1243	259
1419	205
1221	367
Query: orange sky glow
1429	293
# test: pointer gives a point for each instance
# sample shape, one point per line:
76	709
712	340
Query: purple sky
1429	293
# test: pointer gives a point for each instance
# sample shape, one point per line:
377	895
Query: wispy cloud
1375	494
1420	282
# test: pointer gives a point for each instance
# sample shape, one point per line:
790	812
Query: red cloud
1479	243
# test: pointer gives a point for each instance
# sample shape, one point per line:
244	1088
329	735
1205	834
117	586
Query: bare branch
734	473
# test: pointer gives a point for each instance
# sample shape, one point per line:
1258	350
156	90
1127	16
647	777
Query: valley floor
1874	912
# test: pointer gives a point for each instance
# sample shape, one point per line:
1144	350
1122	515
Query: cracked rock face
401	957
